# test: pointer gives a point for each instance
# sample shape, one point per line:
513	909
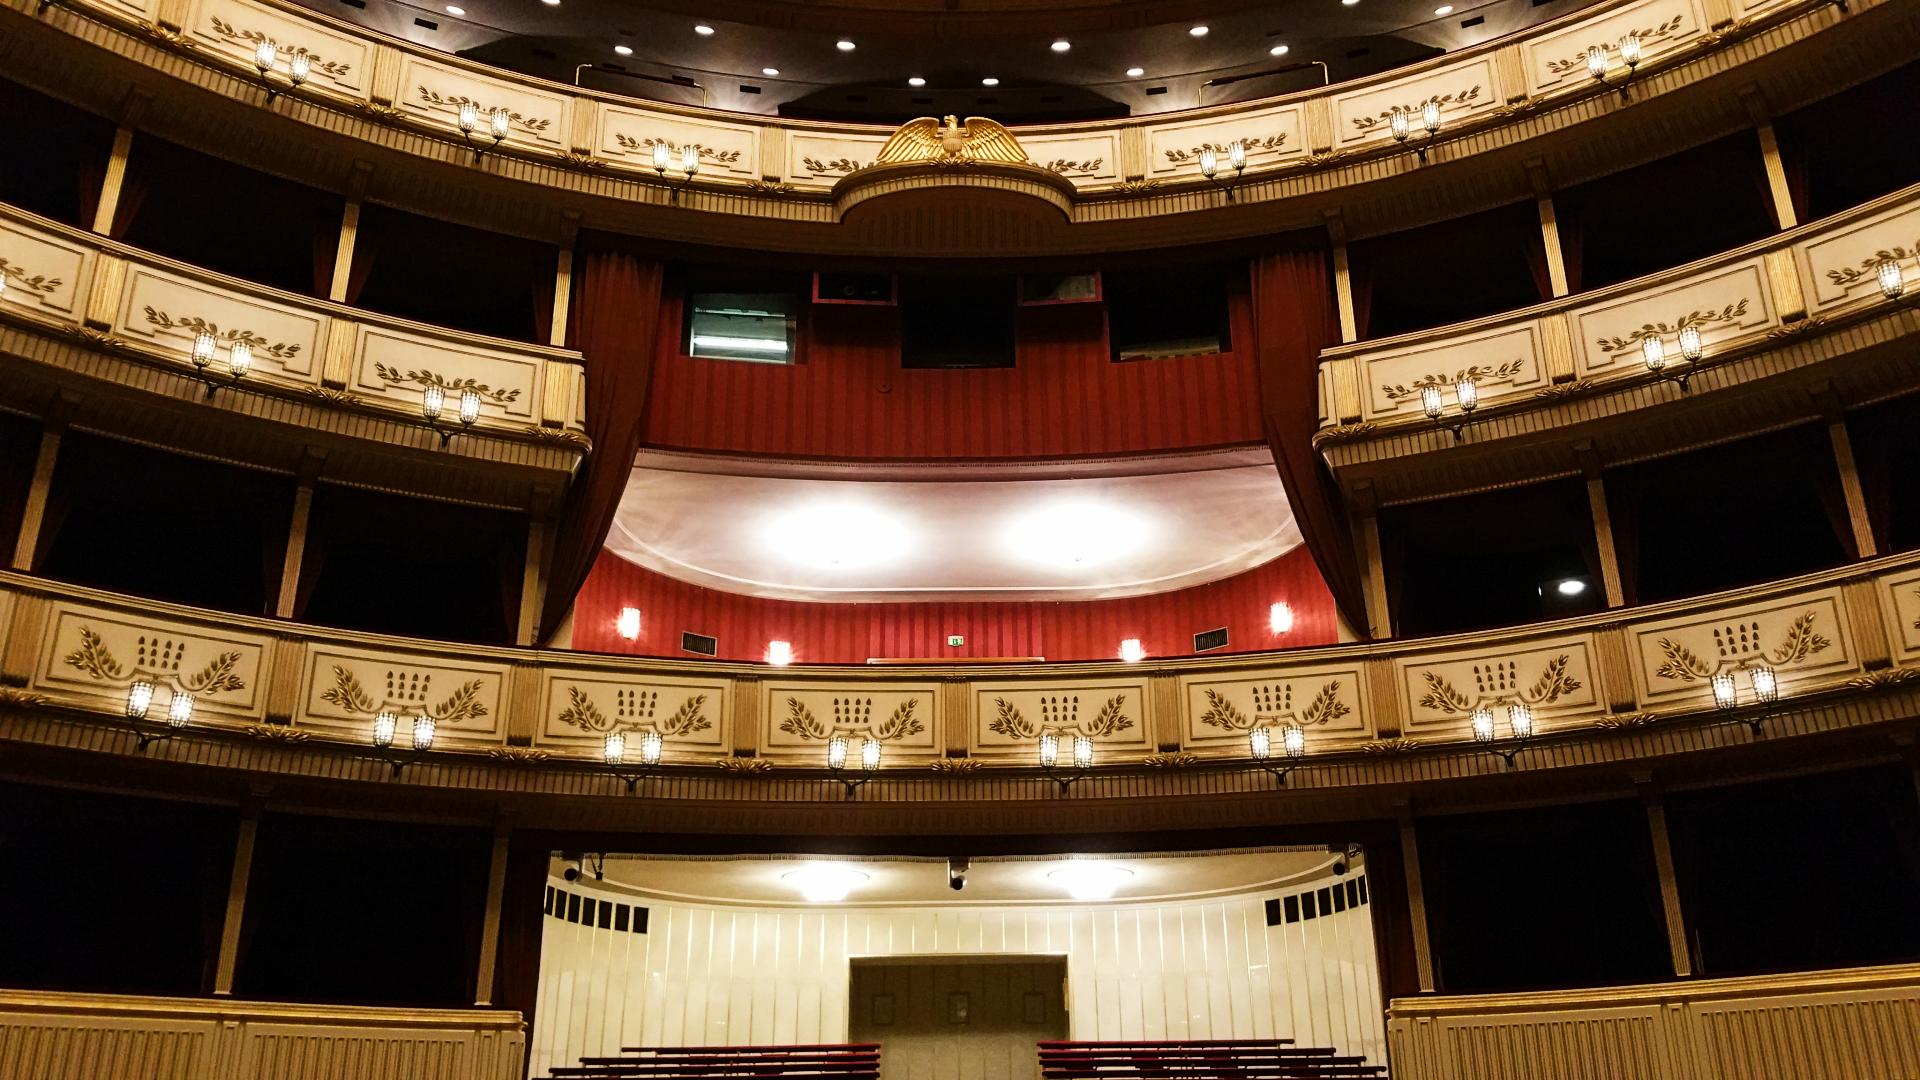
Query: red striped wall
853	633
849	397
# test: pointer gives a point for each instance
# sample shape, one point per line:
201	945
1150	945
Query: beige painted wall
965	1020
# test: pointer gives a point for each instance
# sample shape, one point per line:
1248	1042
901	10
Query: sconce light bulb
423	732
383	729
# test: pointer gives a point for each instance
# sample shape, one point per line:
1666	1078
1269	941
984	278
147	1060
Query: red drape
616	317
1293	319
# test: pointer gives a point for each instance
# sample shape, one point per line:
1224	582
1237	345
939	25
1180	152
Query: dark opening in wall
395	565
1493	559
109	894
152	524
1147	318
1839	152
1543	898
1889	461
1741	513
363	912
19	448
1687	206
1449	271
450	275
69	149
955	321
209	212
1813	872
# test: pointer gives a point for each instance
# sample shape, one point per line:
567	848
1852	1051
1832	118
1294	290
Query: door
971	1019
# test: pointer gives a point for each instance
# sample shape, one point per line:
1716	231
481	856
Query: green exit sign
954	641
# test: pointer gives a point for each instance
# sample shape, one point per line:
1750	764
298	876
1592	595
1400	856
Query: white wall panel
709	974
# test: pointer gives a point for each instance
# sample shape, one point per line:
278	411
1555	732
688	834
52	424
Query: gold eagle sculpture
950	142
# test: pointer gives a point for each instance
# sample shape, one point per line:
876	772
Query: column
1856	499
1602	524
1757	111
53	426
542	513
1669	885
563	280
349	231
237	896
310	463
1342	277
1549	225
1416	899
490	925
1373	573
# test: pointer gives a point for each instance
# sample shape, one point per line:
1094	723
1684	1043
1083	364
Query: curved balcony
776	183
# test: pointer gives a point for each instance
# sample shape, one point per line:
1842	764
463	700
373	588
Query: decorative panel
1827	1036
578	708
1084	159
1725	303
347	688
234	28
1903	608
93	653
1009	718
1593	1044
1557	60
797	719
282	1051
1800	636
1271	136
434	92
1502	360
1558	678
1462	91
168	312
44	273
398	366
826	157
628	136
1220	710
1839	265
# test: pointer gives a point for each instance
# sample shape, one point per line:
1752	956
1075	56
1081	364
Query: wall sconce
386	724
869	760
299	66
1629	55
1653	353
779	653
497	121
140	703
1519	730
1280	617
1764	689
627	623
614	753
1236	160
1433	402
239	361
689	167
1050	758
1429	122
433	401
1891	278
1293	747
1131	651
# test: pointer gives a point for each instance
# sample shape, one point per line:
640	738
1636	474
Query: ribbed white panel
1817	1037
721	975
1598	1044
286	1052
80	1048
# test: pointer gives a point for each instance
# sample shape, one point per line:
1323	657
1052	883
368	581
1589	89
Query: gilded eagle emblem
950	142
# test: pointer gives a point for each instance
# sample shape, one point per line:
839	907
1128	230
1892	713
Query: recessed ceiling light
1571	587
1090	880
916	80
824	883
702	29
989	81
837	536
551	3
1198	31
1076	536
1062	45
1443	9
1348	3
1278	50
1136	72
843	45
452	10
769	72
623	50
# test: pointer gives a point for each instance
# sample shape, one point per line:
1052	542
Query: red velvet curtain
616	320
1293	319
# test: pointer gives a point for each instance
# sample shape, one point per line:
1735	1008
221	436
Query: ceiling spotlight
623	50
1443	9
1571	587
1278	50
769	72
452	10
551	3
843	45
702	29
1062	45
1090	880
916	81
1348	3
1136	72
824	883
989	81
1197	31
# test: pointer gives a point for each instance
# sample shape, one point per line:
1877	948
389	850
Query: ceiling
773	880
952	44
861	532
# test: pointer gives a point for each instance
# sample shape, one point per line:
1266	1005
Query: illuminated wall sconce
1280	617
1519	730
1653	353
1597	63
1402	126
689	167
1293	748
1466	393
386	725
433	403
266	55
497	121
1891	278
1236	160
779	653
1132	651
239	361
1050	758
140	694
837	747
613	752
1763	694
627	623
